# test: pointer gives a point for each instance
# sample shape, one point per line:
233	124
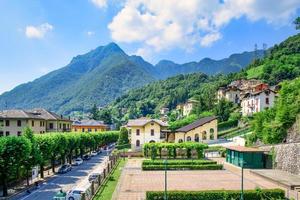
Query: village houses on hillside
252	95
89	125
186	108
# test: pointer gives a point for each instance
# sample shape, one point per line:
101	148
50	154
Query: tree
95	112
35	157
13	152
105	116
297	23
123	136
223	109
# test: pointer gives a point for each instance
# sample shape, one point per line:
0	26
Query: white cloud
162	25
38	32
90	33
100	3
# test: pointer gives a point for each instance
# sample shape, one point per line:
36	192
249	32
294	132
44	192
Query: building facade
145	130
203	130
84	126
253	102
13	122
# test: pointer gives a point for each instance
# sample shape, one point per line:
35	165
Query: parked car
74	194
100	151
86	157
78	161
94	153
64	169
93	177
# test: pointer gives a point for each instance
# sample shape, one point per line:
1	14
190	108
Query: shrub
183	167
228	124
218	194
179	162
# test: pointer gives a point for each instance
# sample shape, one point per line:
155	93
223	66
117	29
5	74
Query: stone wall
287	157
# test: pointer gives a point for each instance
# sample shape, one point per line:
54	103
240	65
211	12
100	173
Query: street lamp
166	195
242	182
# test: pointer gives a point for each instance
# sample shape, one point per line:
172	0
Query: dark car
64	169
93	177
86	157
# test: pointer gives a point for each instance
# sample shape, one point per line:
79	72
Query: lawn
254	72
106	191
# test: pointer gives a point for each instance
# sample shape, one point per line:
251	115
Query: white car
78	161
94	153
74	194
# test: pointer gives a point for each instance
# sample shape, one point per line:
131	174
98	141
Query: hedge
155	150
228	124
179	162
258	194
183	167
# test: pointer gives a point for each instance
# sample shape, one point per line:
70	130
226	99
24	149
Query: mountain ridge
103	74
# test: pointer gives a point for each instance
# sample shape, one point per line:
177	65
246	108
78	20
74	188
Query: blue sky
38	36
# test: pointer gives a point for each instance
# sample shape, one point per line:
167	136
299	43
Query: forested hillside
281	63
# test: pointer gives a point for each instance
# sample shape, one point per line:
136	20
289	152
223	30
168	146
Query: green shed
252	158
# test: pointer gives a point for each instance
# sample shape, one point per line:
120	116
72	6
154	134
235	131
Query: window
19	133
7	133
89	130
152	123
6	122
197	137
137	131
59	125
32	123
19	123
96	130
152	132
83	130
1	133
204	135
188	138
267	100
152	141
180	141
1	123
137	143
75	129
211	134
51	125
41	124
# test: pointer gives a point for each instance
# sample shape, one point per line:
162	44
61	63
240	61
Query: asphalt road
75	179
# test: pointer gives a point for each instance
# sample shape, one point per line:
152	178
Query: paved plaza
134	182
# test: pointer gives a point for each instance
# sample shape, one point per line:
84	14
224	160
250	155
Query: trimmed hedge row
183	167
179	162
276	194
227	125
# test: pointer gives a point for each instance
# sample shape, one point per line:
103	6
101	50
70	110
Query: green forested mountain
281	63
102	75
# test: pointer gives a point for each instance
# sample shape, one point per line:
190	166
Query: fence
93	188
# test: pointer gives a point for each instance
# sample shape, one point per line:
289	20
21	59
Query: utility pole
166	195
255	51
265	49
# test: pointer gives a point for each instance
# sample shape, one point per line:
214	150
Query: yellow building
202	130
145	130
13	122
89	126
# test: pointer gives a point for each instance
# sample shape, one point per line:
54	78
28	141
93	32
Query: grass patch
255	72
108	188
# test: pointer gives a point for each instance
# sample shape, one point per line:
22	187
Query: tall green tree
35	156
123	136
223	109
13	152
95	112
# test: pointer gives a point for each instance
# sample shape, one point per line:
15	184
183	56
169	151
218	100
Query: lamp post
166	195
242	182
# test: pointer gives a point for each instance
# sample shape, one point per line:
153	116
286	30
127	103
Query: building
13	122
145	130
257	100
188	107
202	130
248	157
164	111
54	122
89	126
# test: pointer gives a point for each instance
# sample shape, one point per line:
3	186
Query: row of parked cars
78	161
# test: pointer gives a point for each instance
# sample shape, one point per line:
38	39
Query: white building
145	130
253	102
188	107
